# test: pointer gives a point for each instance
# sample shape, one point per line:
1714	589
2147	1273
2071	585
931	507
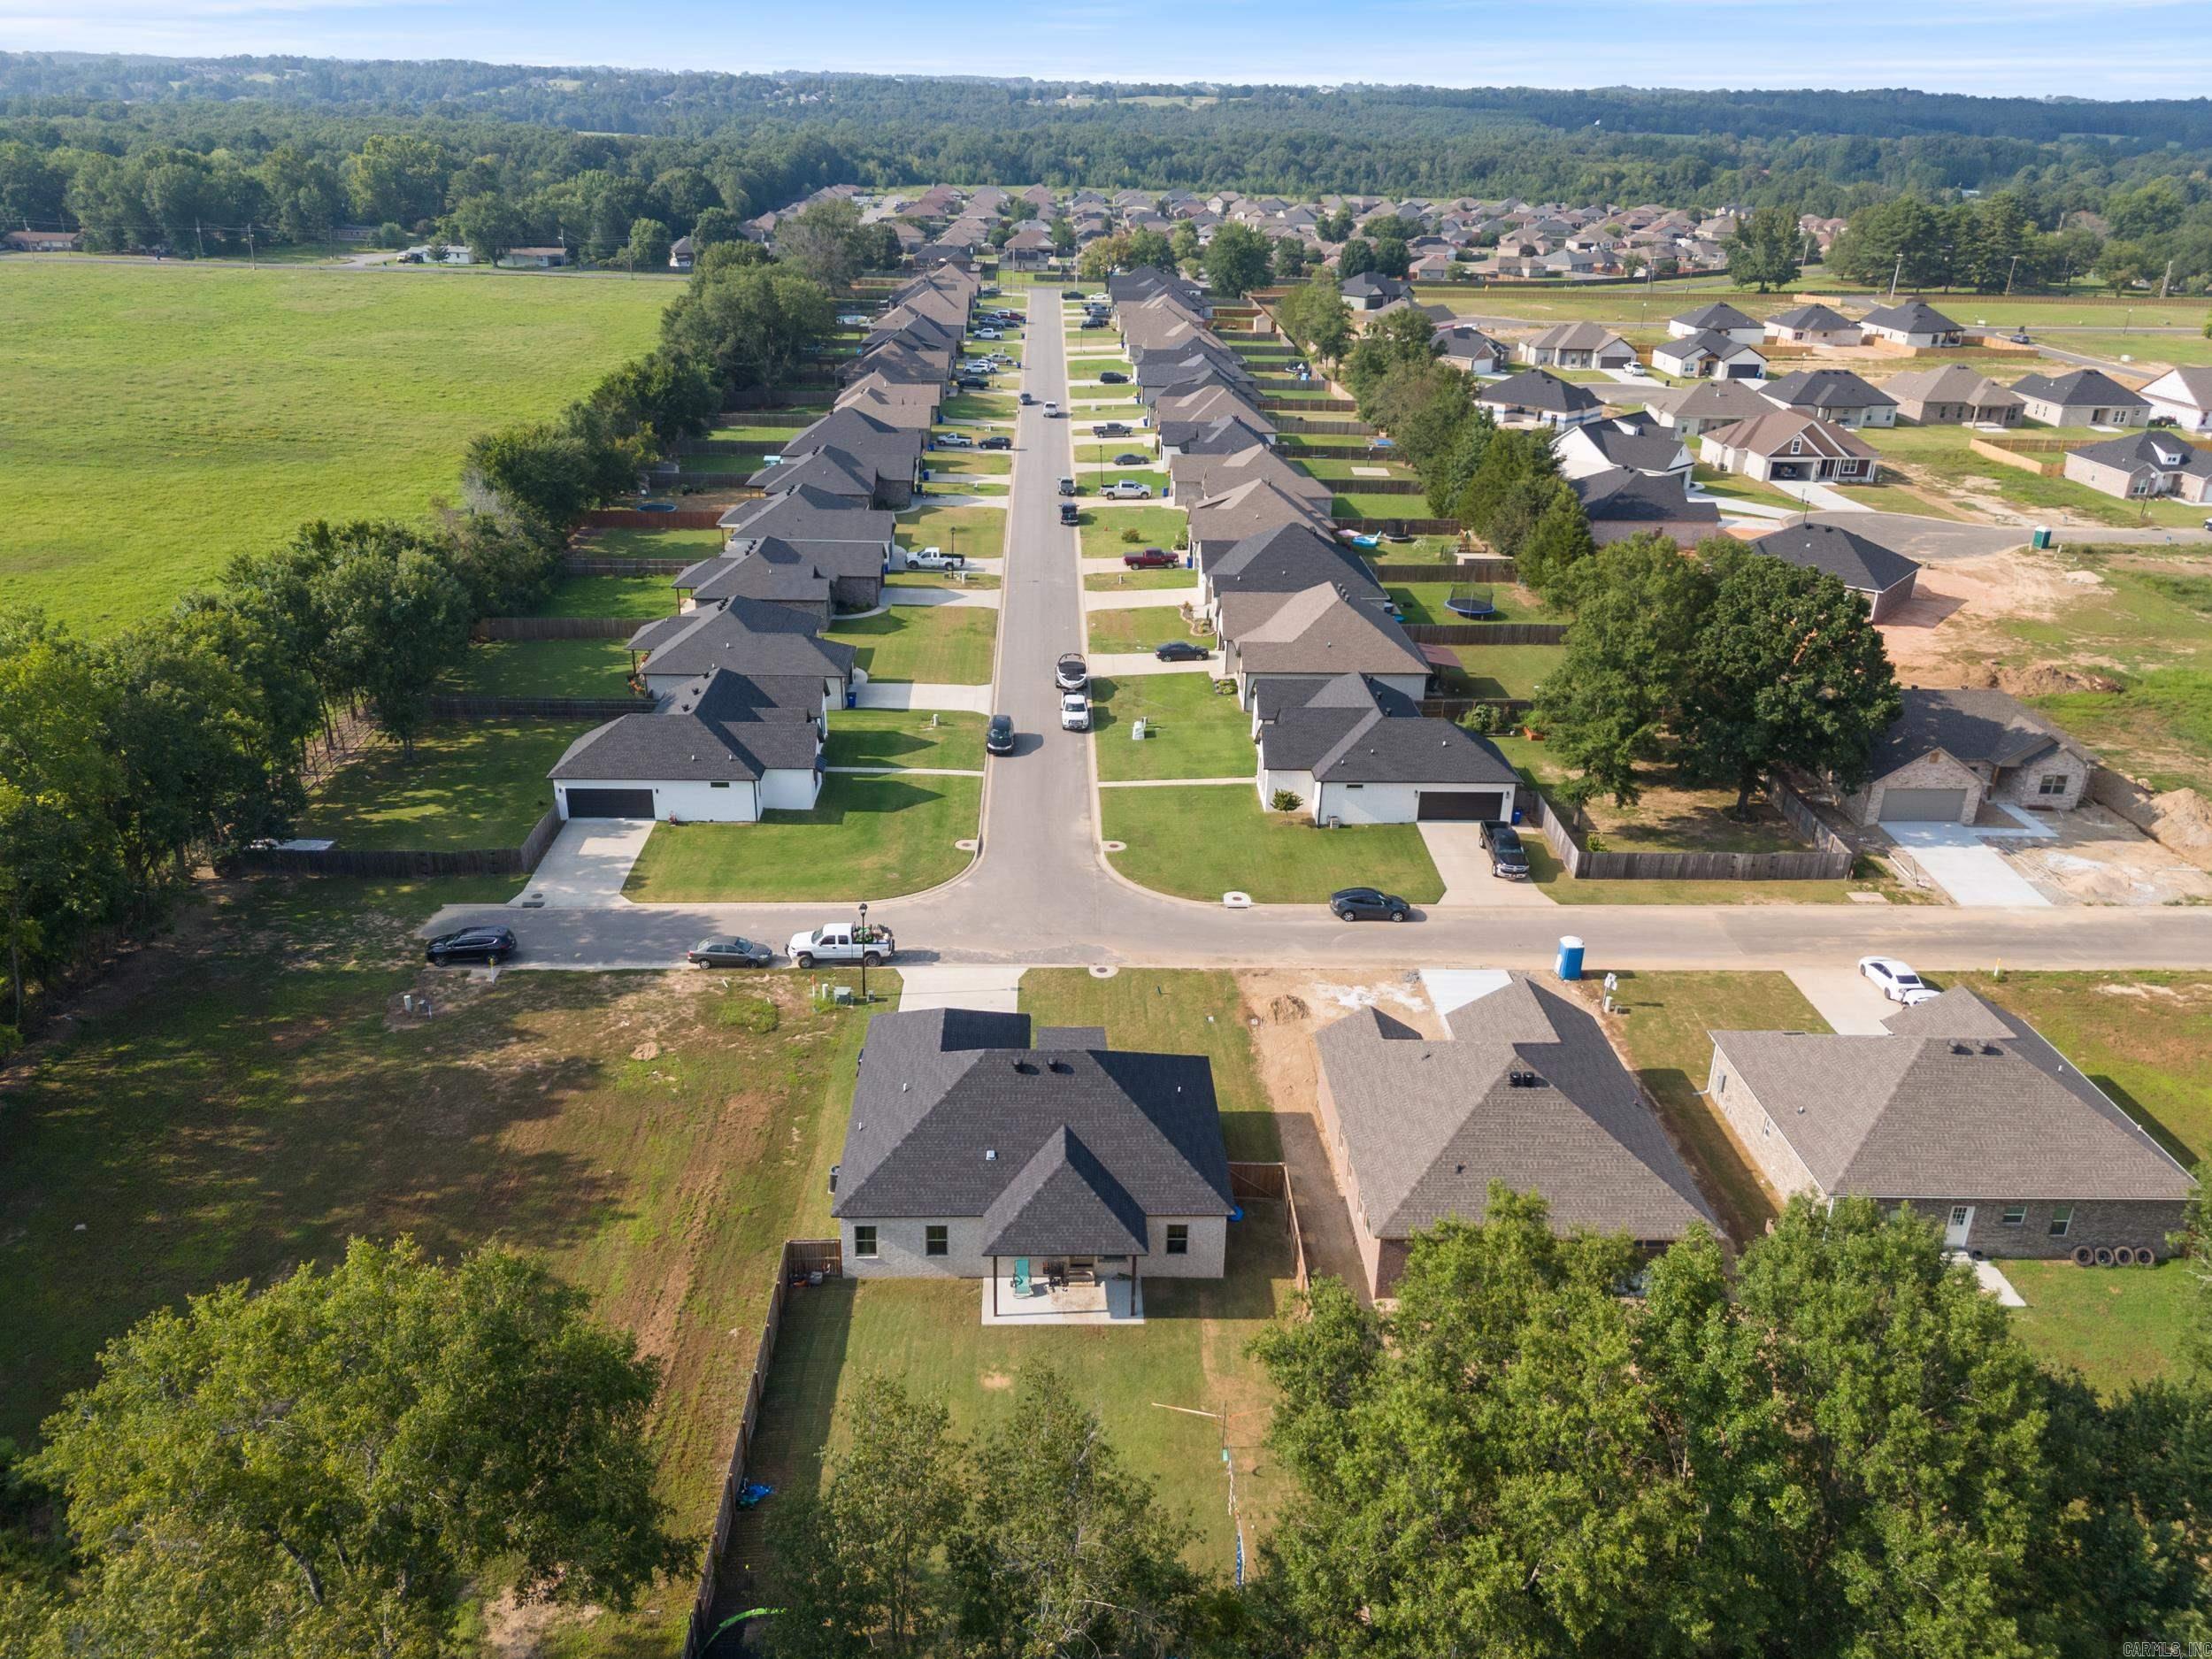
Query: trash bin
1569	965
2041	540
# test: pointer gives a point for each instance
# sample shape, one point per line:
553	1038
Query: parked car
973	383
843	941
1633	369
729	950
1110	429
998	737
934	559
1368	904
1075	712
1180	651
1071	672
1001	441
1151	558
1052	410
1070	514
1896	981
1094	322
2020	338
1071	294
1028	398
954	440
1132	458
1113	377
1067	487
471	944
1127	490
986	334
1508	857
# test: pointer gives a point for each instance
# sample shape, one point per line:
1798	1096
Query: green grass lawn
1104	451
1668	816
1137	630
866	838
970	463
1938	458
2117	1326
212	410
1360	504
1895	498
1735	486
1663	1024
250	1108
978	406
471	785
643	597
904	737
1426	602
542	668
761	432
650	544
1191	730
978	532
1201	842
2149	353
1502	671
1351	469
1111	582
944	644
1106	532
967	580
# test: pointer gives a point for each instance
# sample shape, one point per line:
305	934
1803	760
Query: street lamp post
864	950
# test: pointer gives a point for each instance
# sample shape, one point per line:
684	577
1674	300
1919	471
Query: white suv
1075	712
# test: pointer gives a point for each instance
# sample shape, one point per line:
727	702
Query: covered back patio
1082	1289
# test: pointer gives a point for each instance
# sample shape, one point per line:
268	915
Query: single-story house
1634	441
2144	465
1525	1090
2081	398
1836	395
807	514
1576	346
1535	397
1325	630
1288	559
42	241
1719	318
821	577
2183	396
982	1147
1469	350
1962	1110
1783	446
1813	325
681	253
534	258
746	635
722	749
1710	403
1913	323
1948	752
1370	291
1217	522
1884	579
1354	750
1621	502
1953	396
1709	356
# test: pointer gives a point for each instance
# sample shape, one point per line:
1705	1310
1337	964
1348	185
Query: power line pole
1896	273
199	243
2166	282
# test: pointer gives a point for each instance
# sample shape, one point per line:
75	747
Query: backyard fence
387	866
1291	405
596	565
1510	708
2045	457
446	706
1465	570
1569	830
1324	428
641	519
1271	1182
559	628
1376	486
1358	525
1485	633
799	1257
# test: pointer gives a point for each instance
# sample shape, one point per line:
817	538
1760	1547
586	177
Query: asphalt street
1040	892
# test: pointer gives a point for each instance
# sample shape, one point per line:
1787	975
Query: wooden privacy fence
1292	405
1324	428
1485	633
1465	570
1460	707
449	707
1377	485
560	627
639	519
1395	526
2046	460
1271	1182
1568	830
386	865
800	1256
596	565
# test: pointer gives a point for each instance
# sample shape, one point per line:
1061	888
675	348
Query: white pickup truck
931	558
842	941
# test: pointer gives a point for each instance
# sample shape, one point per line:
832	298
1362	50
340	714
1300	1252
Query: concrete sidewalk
1122	664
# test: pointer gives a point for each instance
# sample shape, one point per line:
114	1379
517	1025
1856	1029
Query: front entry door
1961	1224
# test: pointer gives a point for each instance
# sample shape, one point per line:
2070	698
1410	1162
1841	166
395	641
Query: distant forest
150	146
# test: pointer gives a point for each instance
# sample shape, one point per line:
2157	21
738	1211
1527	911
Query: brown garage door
1923	806
1459	805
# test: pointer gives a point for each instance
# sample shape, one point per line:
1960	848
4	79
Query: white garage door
1923	806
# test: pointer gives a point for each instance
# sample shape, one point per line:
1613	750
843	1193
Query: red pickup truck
1150	558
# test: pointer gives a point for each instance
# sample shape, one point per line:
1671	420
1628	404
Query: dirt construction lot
2100	858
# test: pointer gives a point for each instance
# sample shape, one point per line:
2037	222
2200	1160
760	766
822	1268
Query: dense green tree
488	225
1557	544
821	241
1904	239
646	249
1392	257
1453	467
1062	230
1356	259
304	192
1314	316
339	1463
399	176
1183	241
396	618
754	324
714	225
1763	251
1103	256
1149	246
1238	261
1290	258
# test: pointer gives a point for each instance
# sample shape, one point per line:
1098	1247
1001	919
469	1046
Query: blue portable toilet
1569	965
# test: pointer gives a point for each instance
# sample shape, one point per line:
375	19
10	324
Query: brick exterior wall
1929	771
1763	1140
2020	786
902	1248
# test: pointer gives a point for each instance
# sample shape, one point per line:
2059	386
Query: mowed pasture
168	416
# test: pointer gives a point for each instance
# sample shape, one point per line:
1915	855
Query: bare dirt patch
996	1381
1951	625
2100	858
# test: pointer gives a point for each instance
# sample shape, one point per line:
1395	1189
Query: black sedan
1368	904
1113	377
729	950
1131	459
1180	651
999	442
1071	294
471	944
998	737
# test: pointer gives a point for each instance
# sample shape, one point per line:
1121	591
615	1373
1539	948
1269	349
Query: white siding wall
1365	803
1299	783
697	802
790	789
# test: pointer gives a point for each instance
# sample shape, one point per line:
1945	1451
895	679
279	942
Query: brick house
1949	752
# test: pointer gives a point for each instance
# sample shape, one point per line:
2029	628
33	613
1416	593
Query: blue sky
2086	48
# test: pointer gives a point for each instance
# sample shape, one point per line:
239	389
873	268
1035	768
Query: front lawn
1735	486
904	737
1191	730
1109	533
866	838
471	785
978	532
1139	629
1662	1023
542	668
638	597
939	644
1202	841
1109	581
2117	1326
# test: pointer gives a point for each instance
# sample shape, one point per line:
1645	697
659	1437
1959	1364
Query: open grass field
471	785
542	668
1191	731
1201	842
866	838
944	644
1633	305
904	737
1938	458
237	1116
209	410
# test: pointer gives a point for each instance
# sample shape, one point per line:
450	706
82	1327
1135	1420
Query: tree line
124	761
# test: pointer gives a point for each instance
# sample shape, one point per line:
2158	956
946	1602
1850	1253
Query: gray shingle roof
1863	566
1541	390
2079	388
1913	317
1812	319
1825	389
1288	559
1620	495
727	729
1065	1201
744	634
1719	315
1985	726
1350	730
1318	630
1634	441
951	1107
2160	450
1962	1100
1429	1126
807	514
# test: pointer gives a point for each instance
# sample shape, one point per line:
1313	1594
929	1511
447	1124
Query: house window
2015	1216
1797	446
864	1243
934	1241
718	783
2062	1221
1178	1237
2052	783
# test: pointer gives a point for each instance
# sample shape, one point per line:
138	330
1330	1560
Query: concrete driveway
1138	598
1961	861
585	867
922	694
1122	664
1844	998
1456	851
